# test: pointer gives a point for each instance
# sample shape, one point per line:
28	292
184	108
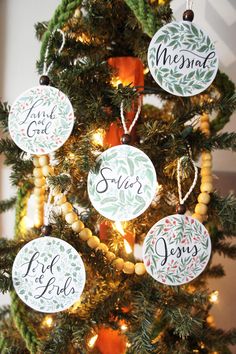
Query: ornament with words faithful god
41	120
176	250
182	59
123	183
48	275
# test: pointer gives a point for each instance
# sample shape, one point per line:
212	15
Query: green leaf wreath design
187	36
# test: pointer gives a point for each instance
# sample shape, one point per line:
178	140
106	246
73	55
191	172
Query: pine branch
226	249
224	141
216	271
223	210
4	111
7	204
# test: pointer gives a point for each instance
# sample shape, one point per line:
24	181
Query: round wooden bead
125	139
206	132
206	163
201	209
39	191
198	217
206	187
206	155
118	263
47	170
128	268
43	160
93	242
207	179
181	209
39	199
44	80
206	171
61	199
110	256
102	247
204	118
85	234
66	208
204	198
205	125
71	217
46	230
188	15
39	182
37	172
36	161
139	268
77	226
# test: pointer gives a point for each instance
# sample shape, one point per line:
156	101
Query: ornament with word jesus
123	183
48	275
41	120
182	59
176	250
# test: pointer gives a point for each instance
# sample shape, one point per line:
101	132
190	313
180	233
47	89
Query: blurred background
18	55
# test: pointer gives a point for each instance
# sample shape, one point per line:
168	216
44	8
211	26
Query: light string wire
189	4
122	116
182	199
46	68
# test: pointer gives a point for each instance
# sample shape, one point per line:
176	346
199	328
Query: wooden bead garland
43	169
206	186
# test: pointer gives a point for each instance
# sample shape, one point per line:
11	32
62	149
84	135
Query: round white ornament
41	120
123	183
176	249
182	59
48	275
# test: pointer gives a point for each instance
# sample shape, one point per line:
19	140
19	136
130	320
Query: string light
146	70
123	327
92	341
118	226
47	322
27	222
98	137
115	81
213	298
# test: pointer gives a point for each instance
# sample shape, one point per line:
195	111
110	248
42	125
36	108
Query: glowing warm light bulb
115	81
98	137
27	222
47	322
123	327
92	341
118	226
213	298
128	248
146	70
128	345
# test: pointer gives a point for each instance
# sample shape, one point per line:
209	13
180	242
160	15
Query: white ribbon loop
182	199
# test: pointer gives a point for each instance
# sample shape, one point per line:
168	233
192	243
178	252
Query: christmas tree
101	66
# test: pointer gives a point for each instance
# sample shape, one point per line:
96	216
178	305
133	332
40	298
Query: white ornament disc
123	183
176	249
41	120
182	59
48	275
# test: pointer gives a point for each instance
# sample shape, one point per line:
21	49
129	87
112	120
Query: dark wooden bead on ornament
46	230
181	209
188	15
44	80
125	139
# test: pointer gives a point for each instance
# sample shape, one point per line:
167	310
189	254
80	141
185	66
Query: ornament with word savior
48	275
182	59
123	183
41	120
176	249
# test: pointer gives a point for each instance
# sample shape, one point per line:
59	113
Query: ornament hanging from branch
182	58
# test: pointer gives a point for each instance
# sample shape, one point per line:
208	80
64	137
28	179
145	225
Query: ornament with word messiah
176	249
48	275
182	59
41	120
123	183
